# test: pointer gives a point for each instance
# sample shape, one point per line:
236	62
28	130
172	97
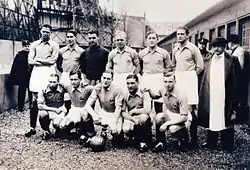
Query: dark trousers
193	126
160	136
226	137
21	96
33	111
143	133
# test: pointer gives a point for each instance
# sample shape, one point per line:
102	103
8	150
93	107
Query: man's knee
43	114
174	128
127	128
160	118
144	118
85	116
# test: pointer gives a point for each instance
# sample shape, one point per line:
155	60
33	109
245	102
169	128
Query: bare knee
159	118
174	128
43	114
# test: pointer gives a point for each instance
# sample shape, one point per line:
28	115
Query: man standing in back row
43	55
188	64
122	60
94	59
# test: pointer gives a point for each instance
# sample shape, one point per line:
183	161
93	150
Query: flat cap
234	38
203	41
219	41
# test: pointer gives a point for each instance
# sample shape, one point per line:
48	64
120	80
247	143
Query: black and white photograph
124	84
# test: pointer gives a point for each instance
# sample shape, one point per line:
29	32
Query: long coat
232	82
20	70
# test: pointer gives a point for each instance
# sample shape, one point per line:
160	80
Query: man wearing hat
218	96
206	55
243	57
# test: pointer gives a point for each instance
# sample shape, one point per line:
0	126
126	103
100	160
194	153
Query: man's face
93	40
202	46
75	80
45	31
71	39
169	82
26	47
132	85
53	83
181	35
152	40
120	41
218	49
230	45
106	80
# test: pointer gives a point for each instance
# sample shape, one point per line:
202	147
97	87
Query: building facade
222	19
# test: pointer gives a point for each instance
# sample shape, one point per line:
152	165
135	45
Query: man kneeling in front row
175	116
51	105
136	110
110	99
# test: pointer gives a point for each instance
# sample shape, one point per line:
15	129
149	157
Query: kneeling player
174	118
77	116
110	99
51	105
136	109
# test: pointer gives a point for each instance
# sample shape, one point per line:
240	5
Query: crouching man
111	100
136	110
175	116
51	105
77	116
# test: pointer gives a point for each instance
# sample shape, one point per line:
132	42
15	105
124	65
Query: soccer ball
97	143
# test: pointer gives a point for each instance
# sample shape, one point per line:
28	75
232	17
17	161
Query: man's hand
84	84
188	124
58	111
132	112
98	87
136	121
164	127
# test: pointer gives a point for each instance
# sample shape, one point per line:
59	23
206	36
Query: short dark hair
73	32
25	43
109	72
184	28
76	71
152	32
55	75
133	76
94	31
47	26
169	74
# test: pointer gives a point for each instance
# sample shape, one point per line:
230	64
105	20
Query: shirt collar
79	88
235	46
75	47
138	93
187	45
125	50
46	42
173	93
59	89
157	49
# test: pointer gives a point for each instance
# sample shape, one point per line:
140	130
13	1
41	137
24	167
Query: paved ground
18	152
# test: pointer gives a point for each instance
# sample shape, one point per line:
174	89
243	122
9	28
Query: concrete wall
8	94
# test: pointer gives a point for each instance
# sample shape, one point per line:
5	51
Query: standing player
68	60
188	64
123	60
94	59
111	99
51	105
154	61
43	55
136	110
175	116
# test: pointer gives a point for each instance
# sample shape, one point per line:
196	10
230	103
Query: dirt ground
19	152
